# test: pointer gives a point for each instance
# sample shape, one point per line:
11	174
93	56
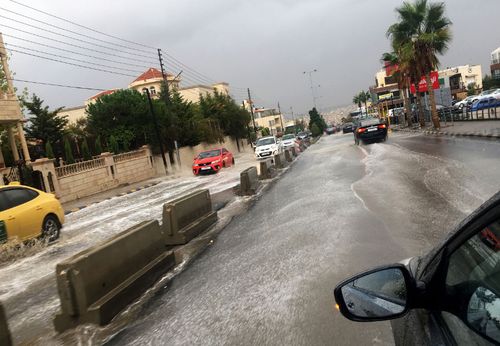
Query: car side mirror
483	313
376	295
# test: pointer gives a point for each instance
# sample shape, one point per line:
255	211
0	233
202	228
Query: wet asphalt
269	276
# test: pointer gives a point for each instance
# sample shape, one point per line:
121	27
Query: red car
491	237
211	161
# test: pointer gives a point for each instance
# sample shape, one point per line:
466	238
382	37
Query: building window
152	90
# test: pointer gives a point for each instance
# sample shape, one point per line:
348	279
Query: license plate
372	129
205	168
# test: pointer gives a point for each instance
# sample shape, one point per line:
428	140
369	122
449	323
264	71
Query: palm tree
365	96
424	27
357	100
401	74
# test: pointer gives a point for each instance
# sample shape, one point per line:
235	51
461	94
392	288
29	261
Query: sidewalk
473	128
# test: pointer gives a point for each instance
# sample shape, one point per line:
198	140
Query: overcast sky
261	44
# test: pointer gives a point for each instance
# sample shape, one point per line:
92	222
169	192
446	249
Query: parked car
302	135
464	103
450	296
288	141
267	147
485	103
486	94
347	128
330	130
27	213
370	129
212	161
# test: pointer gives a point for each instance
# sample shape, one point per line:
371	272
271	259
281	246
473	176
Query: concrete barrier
279	160
249	181
288	156
5	338
96	284
187	216
266	169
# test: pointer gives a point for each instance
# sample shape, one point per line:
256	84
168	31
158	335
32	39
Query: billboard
422	85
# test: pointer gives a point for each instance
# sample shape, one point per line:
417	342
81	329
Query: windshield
210	153
368	122
287	137
265	141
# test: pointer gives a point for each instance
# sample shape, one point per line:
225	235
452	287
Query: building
193	93
270	118
153	80
385	93
495	64
11	117
459	78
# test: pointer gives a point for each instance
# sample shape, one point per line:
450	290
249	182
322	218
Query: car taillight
381	126
361	130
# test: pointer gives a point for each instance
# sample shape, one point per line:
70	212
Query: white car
288	141
466	101
267	147
487	93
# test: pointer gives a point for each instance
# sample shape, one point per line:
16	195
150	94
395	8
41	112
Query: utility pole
281	119
165	77
155	121
251	111
311	82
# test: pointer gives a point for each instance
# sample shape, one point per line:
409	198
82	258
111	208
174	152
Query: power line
76	46
55	84
74	38
74	52
74	32
69	63
81	26
65	57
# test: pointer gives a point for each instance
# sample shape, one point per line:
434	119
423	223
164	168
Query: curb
452	134
117	195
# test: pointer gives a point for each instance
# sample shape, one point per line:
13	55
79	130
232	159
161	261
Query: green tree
85	150
49	151
68	152
424	26
113	145
98	145
316	119
123	115
265	132
315	130
490	83
472	89
44	125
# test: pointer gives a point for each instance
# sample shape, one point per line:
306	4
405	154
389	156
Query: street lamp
311	83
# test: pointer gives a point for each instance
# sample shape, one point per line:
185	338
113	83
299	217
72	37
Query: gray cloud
264	45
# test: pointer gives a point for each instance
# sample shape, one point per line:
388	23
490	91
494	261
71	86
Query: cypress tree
49	152
85	150
68	152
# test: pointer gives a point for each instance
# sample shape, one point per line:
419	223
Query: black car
369	130
450	296
347	128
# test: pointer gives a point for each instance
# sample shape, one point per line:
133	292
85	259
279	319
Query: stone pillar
12	141
24	145
46	166
148	154
110	164
2	160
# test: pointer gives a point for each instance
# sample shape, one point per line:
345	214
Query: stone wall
187	154
103	173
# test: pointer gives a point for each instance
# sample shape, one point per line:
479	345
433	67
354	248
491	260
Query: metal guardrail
79	167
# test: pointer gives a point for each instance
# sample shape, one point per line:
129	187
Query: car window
473	281
19	196
265	141
4	203
224	151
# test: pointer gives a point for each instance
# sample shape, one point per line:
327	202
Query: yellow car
27	213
